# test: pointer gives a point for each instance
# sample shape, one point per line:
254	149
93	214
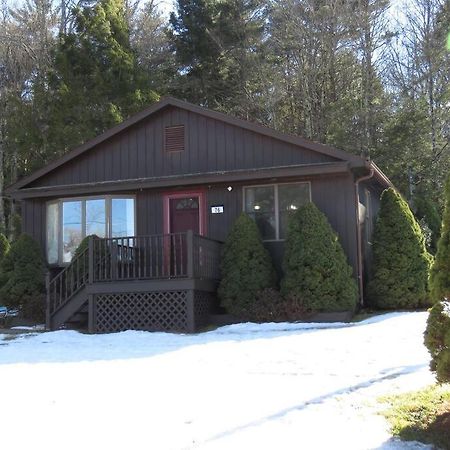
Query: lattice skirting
202	307
181	310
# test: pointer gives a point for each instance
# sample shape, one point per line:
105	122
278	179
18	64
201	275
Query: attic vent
174	138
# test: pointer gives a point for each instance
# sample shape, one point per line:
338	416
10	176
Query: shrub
23	272
4	246
271	306
317	275
427	212
437	340
246	267
401	262
440	272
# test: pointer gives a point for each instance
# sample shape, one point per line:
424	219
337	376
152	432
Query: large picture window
270	206
70	220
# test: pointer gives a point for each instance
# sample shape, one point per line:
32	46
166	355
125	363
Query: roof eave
173	181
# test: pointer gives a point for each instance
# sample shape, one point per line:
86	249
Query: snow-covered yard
271	386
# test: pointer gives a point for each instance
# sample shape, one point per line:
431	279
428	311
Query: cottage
160	191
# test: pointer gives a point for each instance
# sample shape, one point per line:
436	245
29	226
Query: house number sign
217	209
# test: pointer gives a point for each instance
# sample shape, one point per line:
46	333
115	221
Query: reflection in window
260	206
122	221
96	217
271	206
290	198
72	229
52	233
103	216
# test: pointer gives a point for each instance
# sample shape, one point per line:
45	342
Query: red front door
185	214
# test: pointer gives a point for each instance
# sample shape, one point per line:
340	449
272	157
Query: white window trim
108	211
276	203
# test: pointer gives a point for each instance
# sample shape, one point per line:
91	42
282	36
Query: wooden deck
159	282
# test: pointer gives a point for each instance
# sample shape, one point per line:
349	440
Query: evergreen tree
440	271
401	262
96	81
246	268
22	272
316	272
437	340
427	211
217	46
4	246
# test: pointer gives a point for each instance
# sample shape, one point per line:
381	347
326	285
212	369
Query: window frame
276	203
108	219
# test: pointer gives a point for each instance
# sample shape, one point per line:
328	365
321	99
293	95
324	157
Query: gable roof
170	101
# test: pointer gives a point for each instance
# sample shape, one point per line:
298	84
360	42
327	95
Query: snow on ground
246	386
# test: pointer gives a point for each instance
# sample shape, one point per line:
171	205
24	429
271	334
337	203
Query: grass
422	416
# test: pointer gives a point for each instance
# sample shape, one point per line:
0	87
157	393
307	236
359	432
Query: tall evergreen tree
94	81
400	260
440	271
217	47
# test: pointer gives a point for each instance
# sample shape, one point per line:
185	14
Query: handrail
69	281
161	256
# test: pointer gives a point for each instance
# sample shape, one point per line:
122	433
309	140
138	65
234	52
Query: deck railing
174	255
68	282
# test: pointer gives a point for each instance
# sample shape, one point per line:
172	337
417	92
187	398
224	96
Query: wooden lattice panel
202	307
156	311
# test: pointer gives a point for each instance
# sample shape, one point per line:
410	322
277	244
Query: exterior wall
33	220
333	195
374	207
211	145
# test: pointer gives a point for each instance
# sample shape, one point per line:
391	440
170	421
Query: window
270	206
122	217
72	230
260	206
52	233
96	217
70	220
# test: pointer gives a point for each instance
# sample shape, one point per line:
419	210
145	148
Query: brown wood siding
211	145
33	213
334	195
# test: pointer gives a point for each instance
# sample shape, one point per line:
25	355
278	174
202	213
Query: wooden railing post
91	259
47	300
190	253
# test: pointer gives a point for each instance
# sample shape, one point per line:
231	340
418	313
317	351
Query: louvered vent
174	138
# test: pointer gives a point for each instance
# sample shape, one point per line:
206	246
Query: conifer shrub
437	340
271	306
84	244
246	268
23	272
427	212
4	246
317	276
99	252
440	271
401	262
